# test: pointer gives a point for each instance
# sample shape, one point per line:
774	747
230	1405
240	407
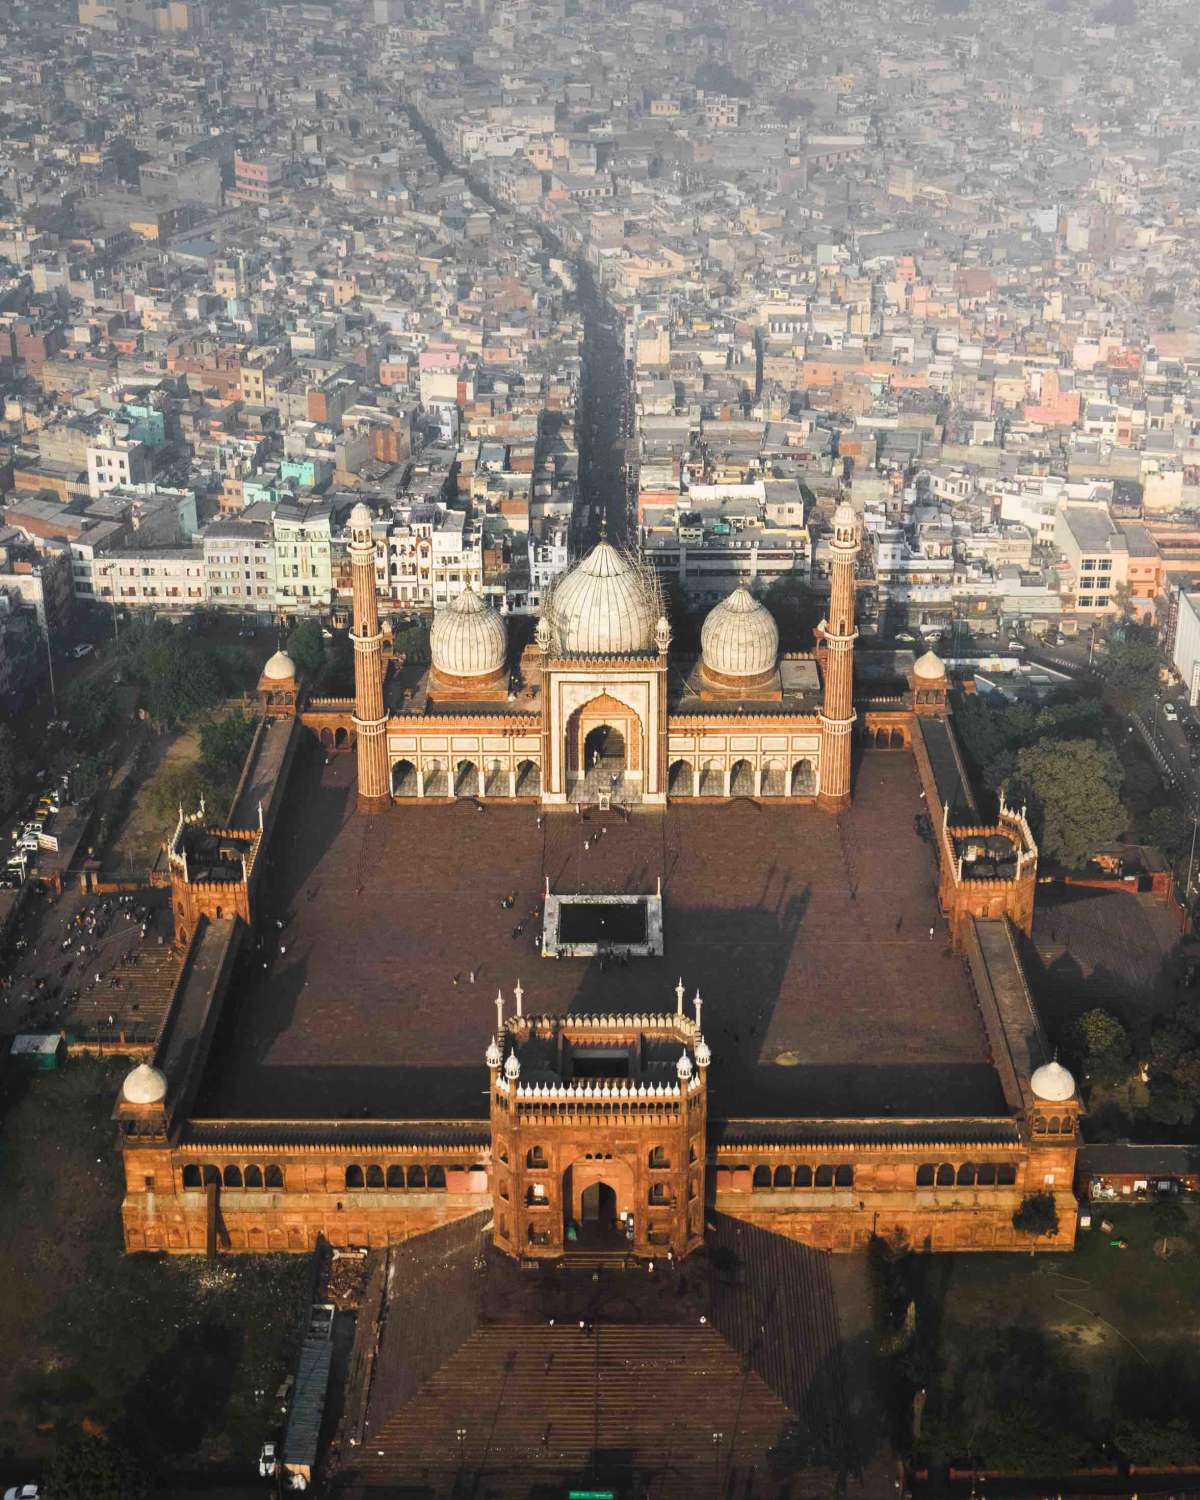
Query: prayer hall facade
599	1120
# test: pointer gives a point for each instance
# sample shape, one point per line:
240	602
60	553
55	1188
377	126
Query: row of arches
233	1175
885	739
803	1176
373	1176
466	778
336	739
742	779
967	1174
1054	1125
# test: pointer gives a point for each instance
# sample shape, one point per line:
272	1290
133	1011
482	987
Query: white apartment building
116	461
1095	557
169	580
239	565
303	536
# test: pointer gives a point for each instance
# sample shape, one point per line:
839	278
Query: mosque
793	831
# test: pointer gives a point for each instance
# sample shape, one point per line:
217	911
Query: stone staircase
138	1004
615	1398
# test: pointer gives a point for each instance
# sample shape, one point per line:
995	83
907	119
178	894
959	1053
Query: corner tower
369	717
837	633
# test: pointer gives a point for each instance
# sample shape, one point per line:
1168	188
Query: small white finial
697	1002
679	997
520	994
499	1010
547	885
658	888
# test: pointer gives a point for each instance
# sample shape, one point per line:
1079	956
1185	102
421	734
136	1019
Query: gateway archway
604	749
598	1206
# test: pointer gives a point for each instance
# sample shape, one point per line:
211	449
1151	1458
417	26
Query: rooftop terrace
808	936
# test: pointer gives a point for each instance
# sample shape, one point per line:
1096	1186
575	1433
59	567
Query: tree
1104	1046
306	647
90	1468
338	678
1169	1222
180	674
1130	668
1036	1216
224	744
1072	787
12	769
90	707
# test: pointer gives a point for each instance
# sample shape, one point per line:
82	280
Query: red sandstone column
838	634
369	717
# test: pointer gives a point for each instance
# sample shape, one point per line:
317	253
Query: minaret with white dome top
838	635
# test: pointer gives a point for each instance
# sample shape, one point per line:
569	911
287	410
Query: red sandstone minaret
838	635
369	717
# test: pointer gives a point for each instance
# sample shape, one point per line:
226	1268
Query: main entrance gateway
598	1133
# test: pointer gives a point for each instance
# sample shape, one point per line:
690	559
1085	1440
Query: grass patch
1041	1364
178	1359
141	833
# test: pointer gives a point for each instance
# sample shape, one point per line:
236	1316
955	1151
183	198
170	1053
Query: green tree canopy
306	647
90	707
90	1468
12	769
1130	667
1037	1215
1072	789
1104	1047
180	673
223	745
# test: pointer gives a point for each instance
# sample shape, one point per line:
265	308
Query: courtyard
815	942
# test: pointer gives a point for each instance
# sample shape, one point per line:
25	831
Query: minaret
369	717
838	634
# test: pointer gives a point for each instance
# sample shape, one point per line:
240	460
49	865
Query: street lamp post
50	667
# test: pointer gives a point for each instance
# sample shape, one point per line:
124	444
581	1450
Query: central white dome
145	1085
739	638
468	639
929	666
603	607
1052	1083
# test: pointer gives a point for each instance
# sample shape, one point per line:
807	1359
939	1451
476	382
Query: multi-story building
239	565
303	535
116	461
1095	558
167	580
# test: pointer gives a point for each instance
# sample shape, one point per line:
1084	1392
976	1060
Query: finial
697	1002
499	1010
604	526
679	997
519	993
547	885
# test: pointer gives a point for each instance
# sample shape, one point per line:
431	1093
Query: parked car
1170	713
267	1461
77	653
23	1492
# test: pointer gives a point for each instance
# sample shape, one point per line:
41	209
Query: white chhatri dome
739	638
468	639
1052	1083
280	668
929	666
603	607
361	518
145	1085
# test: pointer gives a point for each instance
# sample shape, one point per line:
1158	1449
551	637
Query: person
931	934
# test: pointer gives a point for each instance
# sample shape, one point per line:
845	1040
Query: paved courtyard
807	935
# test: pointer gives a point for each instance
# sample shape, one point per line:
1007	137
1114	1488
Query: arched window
416	1177
1039	1125
529	779
966	1174
374	1176
354	1177
844	1176
253	1176
404	779
783	1177
680	782
925	1175
803	1177
273	1176
191	1175
762	1177
659	1157
395	1176
1006	1174
437	1177
986	1175
741	779
824	1177
804	780
233	1176
945	1175
660	1192
535	1157
212	1176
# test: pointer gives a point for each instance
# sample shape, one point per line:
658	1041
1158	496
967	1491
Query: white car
1170	713
267	1461
23	1492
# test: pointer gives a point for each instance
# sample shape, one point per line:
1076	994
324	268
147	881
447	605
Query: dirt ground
179	1360
136	842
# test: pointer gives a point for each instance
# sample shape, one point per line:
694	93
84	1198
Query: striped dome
468	639
739	638
603	607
